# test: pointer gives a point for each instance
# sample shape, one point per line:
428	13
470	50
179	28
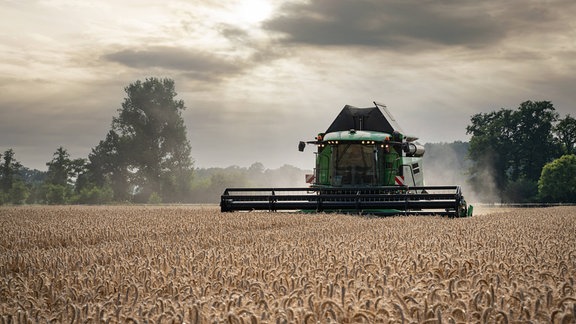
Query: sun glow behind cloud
252	11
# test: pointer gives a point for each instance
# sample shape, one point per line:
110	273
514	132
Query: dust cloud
448	164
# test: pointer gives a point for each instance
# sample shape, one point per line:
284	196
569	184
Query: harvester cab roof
374	125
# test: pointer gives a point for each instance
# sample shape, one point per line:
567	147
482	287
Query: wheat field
176	264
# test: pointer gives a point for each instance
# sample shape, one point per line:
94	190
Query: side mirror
301	146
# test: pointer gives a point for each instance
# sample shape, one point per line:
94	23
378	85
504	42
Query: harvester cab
365	164
366	147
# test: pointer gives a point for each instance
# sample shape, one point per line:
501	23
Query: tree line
524	155
67	181
521	155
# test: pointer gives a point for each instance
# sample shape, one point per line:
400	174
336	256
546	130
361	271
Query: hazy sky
258	76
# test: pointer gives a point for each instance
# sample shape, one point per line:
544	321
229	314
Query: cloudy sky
257	76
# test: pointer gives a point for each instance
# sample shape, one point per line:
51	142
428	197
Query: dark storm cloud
406	23
193	64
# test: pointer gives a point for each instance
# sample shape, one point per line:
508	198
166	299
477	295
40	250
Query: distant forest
527	154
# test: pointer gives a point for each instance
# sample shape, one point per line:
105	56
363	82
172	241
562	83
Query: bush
558	180
95	195
55	194
154	198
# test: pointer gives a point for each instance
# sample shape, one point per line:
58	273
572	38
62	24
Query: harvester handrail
368	188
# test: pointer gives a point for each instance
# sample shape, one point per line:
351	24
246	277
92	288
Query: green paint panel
391	165
323	165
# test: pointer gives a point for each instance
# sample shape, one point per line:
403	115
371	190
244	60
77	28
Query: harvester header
365	164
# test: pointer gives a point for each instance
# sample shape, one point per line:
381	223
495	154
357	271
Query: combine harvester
365	164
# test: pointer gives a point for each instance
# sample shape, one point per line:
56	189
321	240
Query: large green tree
558	180
510	147
533	139
147	150
58	167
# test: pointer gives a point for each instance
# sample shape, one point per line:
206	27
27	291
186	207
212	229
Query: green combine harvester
365	164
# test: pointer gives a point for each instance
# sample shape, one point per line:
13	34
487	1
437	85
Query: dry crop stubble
195	264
